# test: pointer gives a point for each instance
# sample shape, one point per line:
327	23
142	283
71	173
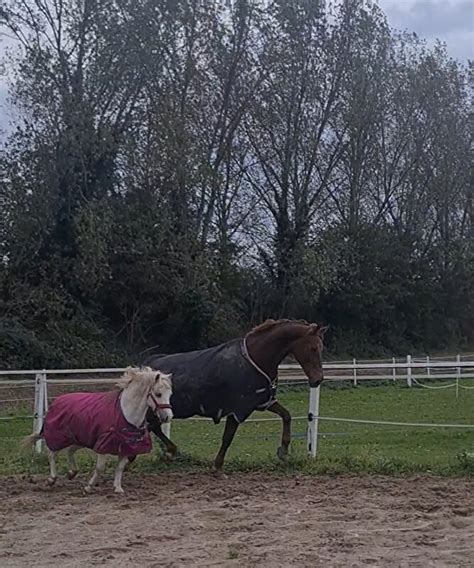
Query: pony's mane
136	374
269	323
145	374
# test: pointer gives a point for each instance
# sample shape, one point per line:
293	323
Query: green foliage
172	183
20	348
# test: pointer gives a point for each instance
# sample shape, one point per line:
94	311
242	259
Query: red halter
158	405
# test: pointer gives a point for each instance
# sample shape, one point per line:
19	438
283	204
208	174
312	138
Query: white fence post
45	387
166	429
313	421
36	407
354	362
409	370
394	370
41	405
458	375
428	372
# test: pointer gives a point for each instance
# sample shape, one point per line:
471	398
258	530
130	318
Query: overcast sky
452	21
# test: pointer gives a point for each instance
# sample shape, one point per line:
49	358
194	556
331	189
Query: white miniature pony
110	423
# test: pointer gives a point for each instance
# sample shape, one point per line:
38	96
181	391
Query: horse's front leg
277	408
99	469
122	463
155	426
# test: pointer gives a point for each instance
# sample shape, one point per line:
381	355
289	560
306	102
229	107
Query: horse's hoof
119	491
170	452
88	489
218	474
282	453
169	457
51	481
71	474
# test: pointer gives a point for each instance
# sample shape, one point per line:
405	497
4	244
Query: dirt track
246	520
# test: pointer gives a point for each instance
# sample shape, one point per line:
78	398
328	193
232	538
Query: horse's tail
31	439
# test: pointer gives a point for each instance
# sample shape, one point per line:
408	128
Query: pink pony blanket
95	421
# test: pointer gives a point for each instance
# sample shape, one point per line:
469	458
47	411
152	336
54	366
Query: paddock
339	509
265	520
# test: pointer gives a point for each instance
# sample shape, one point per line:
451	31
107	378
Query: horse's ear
313	329
317	329
322	330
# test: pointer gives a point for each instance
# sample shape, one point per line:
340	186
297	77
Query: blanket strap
246	354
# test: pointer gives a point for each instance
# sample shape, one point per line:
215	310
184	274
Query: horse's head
307	350
159	397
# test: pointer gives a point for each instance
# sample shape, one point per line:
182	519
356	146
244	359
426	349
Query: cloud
451	21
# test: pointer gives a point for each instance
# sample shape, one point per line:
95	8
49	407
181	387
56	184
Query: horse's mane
141	373
269	323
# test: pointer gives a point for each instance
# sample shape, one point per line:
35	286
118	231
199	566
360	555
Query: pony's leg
122	464
53	474
155	426
277	408
99	468
71	474
230	429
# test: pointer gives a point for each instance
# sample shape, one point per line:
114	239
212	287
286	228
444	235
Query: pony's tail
31	439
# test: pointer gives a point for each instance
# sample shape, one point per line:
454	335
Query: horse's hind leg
71	474
123	462
99	469
231	426
53	474
277	408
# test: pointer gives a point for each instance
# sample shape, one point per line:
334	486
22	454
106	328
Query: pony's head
160	396
154	385
308	350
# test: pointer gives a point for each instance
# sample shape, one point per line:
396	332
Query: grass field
343	447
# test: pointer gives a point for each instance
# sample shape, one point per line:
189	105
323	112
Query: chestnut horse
236	378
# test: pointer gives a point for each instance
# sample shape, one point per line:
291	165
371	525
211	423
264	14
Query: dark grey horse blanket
215	382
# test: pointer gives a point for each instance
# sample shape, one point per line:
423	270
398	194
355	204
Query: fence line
290	375
409	363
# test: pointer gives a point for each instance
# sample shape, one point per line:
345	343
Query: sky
452	21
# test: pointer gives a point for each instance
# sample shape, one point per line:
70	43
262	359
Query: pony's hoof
169	456
119	491
88	489
71	474
282	453
51	481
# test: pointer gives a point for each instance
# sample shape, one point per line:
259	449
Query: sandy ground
245	520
